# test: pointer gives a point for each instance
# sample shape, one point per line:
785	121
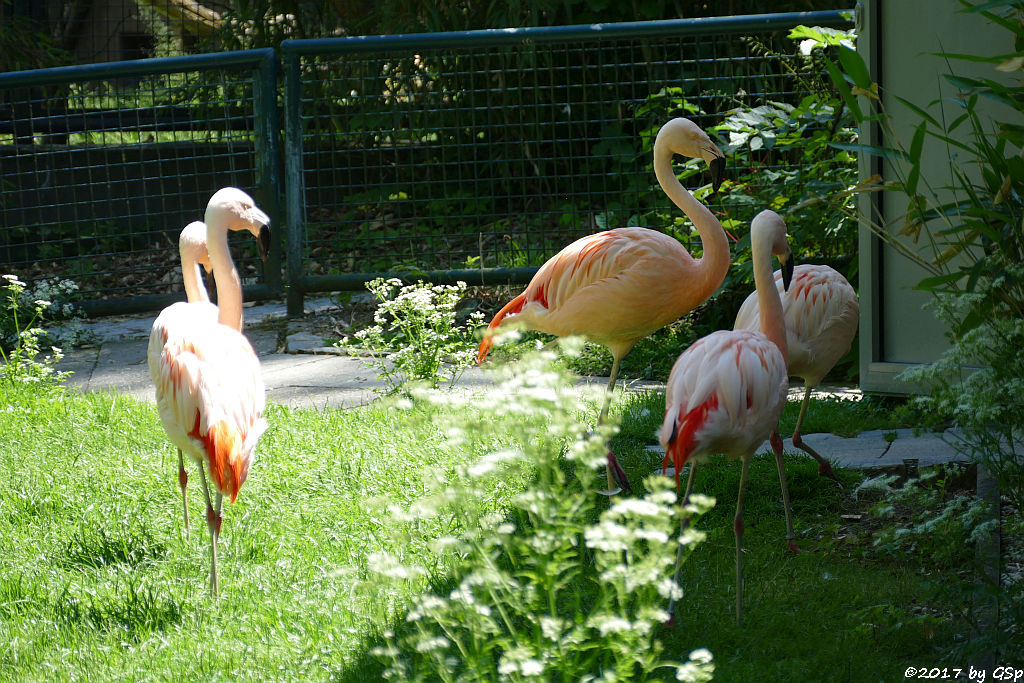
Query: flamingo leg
737	526
183	482
824	466
776	442
213	519
617	480
611	389
684	523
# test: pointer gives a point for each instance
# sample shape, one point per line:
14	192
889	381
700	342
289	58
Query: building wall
895	330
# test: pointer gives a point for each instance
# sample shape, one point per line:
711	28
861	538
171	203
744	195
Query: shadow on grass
132	611
94	547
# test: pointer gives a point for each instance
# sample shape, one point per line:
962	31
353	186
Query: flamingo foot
617	479
825	470
792	547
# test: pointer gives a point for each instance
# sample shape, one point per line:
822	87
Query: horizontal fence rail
103	164
484	152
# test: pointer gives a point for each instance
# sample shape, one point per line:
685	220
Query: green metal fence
103	164
477	155
472	155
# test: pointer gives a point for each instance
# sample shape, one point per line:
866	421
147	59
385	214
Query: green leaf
912	178
874	150
844	90
973	58
918	142
938	283
918	110
855	68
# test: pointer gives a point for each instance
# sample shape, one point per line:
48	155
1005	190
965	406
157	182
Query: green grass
97	579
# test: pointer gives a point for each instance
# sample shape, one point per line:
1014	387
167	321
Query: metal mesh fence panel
103	165
479	155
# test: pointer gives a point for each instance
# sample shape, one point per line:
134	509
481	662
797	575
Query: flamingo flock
724	395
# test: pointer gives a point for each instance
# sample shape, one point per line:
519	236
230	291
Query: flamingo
618	286
197	310
209	390
821	313
726	391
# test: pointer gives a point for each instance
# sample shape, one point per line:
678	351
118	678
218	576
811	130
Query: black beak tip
717	167
264	241
787	273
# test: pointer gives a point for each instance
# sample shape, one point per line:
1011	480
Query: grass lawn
99	581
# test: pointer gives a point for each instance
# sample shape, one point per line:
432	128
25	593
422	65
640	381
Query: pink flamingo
821	314
197	311
209	390
725	393
618	286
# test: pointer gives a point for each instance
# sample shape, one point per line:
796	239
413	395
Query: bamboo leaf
973	58
963	82
938	283
874	150
918	110
871	184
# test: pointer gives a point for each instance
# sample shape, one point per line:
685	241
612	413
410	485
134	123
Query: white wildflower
531	667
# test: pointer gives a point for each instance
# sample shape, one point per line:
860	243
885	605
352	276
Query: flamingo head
773	230
192	245
686	138
238	211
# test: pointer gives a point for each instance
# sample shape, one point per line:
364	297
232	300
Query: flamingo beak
717	168
787	271
263	239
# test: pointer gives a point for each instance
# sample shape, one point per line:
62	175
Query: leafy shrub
22	339
417	335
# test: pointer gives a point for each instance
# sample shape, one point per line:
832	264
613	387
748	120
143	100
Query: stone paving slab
874	449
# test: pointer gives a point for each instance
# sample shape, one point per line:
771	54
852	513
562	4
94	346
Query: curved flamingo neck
195	290
769	303
229	284
711	268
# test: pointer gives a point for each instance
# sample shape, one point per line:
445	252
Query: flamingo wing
821	315
211	398
724	395
613	287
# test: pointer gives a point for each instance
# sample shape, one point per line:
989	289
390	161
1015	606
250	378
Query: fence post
294	189
268	161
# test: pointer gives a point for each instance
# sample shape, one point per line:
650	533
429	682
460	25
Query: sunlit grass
98	580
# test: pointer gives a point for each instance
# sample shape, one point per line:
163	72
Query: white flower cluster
545	591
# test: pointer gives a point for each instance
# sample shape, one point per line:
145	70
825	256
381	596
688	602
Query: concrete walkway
299	371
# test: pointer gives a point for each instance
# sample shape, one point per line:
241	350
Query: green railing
476	155
103	164
453	156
